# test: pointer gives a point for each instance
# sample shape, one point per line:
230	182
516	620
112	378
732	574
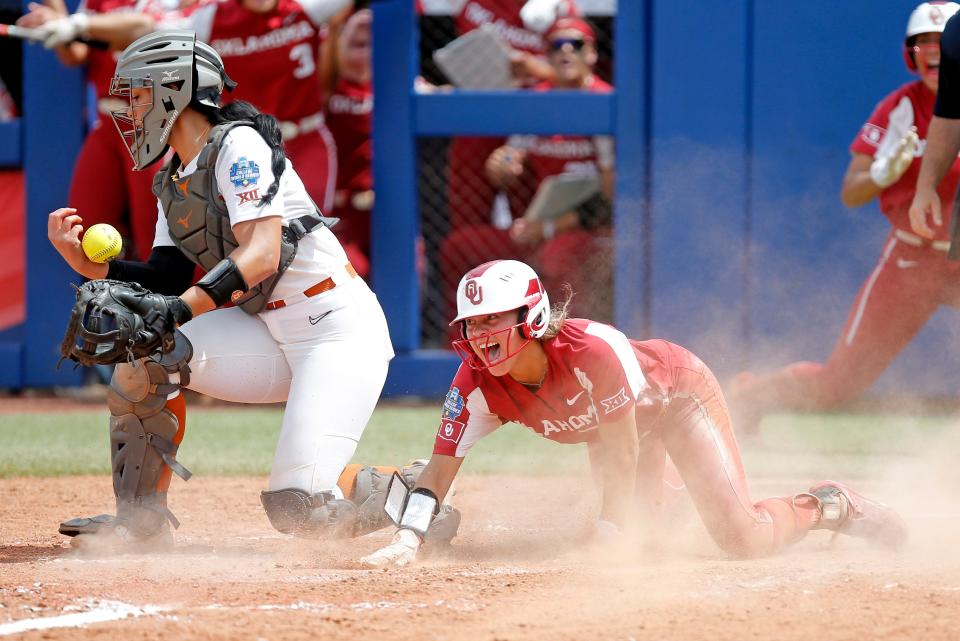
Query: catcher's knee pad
142	436
293	511
369	493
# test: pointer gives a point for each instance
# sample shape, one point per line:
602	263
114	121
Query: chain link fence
467	215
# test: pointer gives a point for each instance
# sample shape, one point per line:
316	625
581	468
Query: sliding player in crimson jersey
634	403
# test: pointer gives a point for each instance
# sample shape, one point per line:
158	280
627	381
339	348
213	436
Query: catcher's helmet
177	70
928	17
494	288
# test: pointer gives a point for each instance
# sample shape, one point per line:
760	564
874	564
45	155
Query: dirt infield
515	573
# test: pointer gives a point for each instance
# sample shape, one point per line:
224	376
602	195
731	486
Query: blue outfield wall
732	122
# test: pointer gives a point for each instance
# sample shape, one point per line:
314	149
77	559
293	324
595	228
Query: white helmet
501	286
930	17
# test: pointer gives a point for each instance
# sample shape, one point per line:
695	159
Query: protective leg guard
369	494
444	527
293	511
320	515
145	432
844	511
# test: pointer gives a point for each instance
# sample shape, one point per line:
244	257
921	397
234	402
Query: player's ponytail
559	313
265	124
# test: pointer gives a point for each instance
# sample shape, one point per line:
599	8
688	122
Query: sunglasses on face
557	44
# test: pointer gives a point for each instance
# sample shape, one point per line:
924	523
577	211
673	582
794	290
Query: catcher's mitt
115	322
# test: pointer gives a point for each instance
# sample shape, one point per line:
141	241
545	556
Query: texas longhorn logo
473	292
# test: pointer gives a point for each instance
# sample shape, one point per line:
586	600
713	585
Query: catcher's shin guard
368	491
146	428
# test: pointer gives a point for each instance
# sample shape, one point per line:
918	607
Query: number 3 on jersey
303	55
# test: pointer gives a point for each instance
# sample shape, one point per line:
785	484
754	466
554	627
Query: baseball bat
35	35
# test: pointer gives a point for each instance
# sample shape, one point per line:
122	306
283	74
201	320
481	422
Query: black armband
224	282
595	212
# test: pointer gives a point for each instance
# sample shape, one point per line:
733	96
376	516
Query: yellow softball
101	243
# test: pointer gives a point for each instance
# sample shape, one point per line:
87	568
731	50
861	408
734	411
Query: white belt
290	130
106	106
916	241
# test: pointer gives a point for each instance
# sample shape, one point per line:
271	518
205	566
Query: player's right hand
63	230
925	208
887	169
401	551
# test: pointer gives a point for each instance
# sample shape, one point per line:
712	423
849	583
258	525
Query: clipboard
476	60
559	194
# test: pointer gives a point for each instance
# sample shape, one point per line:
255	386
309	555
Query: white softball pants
326	356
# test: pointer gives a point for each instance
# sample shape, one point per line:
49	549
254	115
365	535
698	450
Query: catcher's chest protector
199	222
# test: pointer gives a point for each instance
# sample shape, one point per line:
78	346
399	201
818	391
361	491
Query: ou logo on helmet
473	292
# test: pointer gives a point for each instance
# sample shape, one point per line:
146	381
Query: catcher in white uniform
304	330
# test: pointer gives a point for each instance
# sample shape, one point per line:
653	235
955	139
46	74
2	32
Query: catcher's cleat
103	535
85	525
844	511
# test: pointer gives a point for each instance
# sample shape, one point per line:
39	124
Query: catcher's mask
103	331
161	74
498	287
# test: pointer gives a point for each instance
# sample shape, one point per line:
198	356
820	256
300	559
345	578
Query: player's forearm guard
223	282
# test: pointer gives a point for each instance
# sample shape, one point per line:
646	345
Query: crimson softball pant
314	156
905	288
694	429
106	189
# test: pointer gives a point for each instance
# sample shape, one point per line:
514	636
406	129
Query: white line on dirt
102	611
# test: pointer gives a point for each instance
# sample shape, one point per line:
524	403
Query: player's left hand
401	551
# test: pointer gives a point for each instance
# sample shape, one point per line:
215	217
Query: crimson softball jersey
595	375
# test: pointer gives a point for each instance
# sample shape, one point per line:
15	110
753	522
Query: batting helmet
494	288
177	70
928	17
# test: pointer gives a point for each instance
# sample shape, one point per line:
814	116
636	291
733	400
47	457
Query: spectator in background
573	248
349	116
520	24
127	203
272	48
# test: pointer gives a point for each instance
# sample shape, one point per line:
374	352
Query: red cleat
844	511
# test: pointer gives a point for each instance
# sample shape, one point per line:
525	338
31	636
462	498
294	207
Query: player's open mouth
491	352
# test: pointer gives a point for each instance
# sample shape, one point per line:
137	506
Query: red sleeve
466	417
872	131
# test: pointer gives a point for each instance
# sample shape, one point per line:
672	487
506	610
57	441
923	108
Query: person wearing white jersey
304	330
